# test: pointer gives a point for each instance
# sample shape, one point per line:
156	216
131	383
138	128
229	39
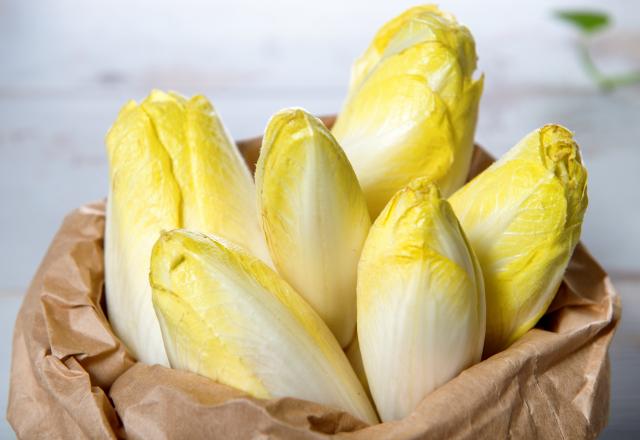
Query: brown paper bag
72	378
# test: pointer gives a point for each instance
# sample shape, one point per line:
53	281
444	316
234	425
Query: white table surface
68	66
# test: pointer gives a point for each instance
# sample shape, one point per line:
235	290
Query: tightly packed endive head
523	217
226	315
412	106
421	309
171	164
313	214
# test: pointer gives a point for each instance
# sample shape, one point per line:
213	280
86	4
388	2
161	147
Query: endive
421	310
313	214
172	164
355	359
226	315
412	106
523	217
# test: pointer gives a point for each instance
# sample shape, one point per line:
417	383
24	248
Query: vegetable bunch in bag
359	239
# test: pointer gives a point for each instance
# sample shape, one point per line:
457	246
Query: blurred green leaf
587	22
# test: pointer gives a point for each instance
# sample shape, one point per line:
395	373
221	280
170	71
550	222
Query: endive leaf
523	217
416	26
217	188
172	164
143	200
355	359
412	106
313	214
421	310
226	315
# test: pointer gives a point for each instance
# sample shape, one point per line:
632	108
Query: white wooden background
67	66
